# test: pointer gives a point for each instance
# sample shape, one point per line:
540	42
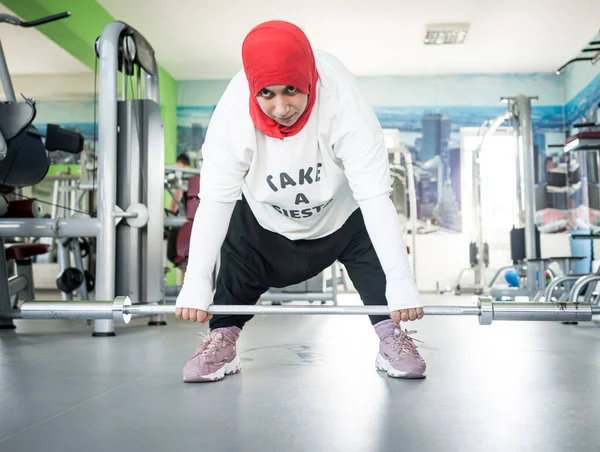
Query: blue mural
567	189
582	107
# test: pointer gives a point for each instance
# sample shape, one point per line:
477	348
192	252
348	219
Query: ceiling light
438	34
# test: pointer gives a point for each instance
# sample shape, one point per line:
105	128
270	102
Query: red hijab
278	53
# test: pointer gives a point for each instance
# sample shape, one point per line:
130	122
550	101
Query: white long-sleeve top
302	187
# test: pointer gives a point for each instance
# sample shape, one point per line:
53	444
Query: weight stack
518	251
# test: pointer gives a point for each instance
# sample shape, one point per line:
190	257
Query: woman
295	176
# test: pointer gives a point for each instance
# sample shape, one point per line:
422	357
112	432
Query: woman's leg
363	266
398	354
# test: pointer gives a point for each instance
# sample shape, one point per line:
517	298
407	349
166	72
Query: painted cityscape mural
567	187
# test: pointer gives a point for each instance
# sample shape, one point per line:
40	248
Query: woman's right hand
193	300
192	315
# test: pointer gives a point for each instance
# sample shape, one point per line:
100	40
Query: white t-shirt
305	186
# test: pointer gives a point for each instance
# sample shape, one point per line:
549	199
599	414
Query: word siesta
304	213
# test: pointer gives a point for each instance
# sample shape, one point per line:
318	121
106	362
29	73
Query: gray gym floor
307	384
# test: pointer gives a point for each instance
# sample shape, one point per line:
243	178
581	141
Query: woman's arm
208	233
224	167
359	143
385	232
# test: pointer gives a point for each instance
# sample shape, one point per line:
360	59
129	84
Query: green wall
77	35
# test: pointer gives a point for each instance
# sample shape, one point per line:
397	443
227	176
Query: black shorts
254	260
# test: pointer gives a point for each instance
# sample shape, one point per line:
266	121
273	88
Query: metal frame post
487	129
63	256
9	91
25	290
108	51
5	295
42	227
146	280
153	288
76	250
523	114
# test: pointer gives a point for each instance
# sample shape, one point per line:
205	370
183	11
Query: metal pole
108	51
478	215
42	227
155	169
523	104
486	310
6	306
487	129
557	282
76	249
9	91
105	309
302	310
138	71
412	199
63	256
520	209
56	189
63	252
67	311
17	283
580	284
554	312
477	204
152	86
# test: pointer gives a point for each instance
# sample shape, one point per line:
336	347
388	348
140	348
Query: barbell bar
121	310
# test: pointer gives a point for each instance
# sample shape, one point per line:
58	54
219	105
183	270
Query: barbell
121	310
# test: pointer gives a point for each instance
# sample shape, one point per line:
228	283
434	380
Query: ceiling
28	51
196	39
202	39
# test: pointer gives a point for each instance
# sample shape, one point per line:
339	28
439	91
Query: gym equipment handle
45	20
121	310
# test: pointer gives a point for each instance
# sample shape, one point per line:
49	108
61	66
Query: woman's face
282	103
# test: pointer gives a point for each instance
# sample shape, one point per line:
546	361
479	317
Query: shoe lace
402	342
210	343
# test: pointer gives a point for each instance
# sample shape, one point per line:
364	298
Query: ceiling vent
438	34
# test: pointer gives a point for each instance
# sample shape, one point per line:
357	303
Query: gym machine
531	270
24	161
130	216
130	158
525	240
586	139
478	249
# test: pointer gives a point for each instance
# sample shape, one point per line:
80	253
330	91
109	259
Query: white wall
60	86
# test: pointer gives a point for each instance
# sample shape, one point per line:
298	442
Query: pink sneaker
398	355
215	357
